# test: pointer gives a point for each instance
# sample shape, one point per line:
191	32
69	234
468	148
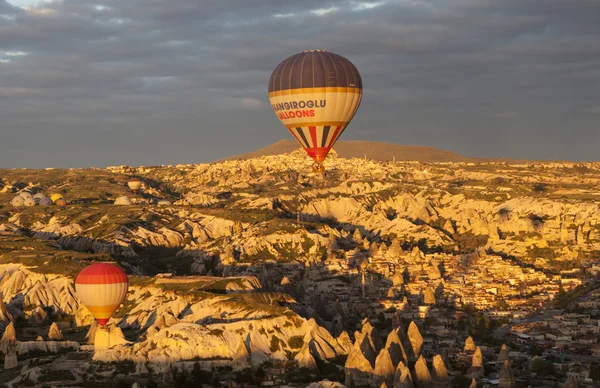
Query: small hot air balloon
60	202
134	184
46	202
315	94
101	287
17	201
55	197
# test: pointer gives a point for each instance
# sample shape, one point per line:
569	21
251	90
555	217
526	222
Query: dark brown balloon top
314	69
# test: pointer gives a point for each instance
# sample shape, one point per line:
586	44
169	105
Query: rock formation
415	338
506	377
384	369
305	359
402	377
469	345
503	355
54	333
571	383
9	339
241	358
473	383
39	317
429	296
422	376
395	348
439	373
5	316
358	367
10	360
477	359
345	342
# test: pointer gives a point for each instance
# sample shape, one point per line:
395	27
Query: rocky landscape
258	272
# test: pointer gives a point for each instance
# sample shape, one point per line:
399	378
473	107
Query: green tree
542	367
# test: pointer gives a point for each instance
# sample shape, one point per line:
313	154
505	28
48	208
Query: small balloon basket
318	168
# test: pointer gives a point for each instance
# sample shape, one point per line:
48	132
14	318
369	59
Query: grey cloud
472	76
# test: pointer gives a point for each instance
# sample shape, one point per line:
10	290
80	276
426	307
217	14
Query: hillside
377	151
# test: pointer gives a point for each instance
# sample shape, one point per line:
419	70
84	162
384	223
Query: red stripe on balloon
101	273
313	136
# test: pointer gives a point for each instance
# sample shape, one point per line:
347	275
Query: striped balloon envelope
315	94
134	184
101	287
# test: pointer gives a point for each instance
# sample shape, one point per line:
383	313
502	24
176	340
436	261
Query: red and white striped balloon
102	287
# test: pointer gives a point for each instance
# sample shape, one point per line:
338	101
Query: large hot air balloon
315	94
134	184
101	287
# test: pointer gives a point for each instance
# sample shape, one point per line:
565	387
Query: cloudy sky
136	82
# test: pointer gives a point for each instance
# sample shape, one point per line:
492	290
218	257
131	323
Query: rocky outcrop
439	373
8	342
477	359
429	296
571	383
422	376
358	366
503	355
415	338
305	359
402	377
394	346
5	316
384	369
506	378
469	345
345	342
38	317
54	333
10	360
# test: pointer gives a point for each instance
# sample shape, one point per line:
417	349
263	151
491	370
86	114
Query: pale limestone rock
503	355
9	339
477	360
326	384
429	296
394	346
390	293
101	339
384	368
141	368
90	337
422	375
10	360
469	345
506	377
358	368
38	317
5	316
402	377
345	342
305	359
258	349
415	338
241	358
440	373
116	336
54	333
46	346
